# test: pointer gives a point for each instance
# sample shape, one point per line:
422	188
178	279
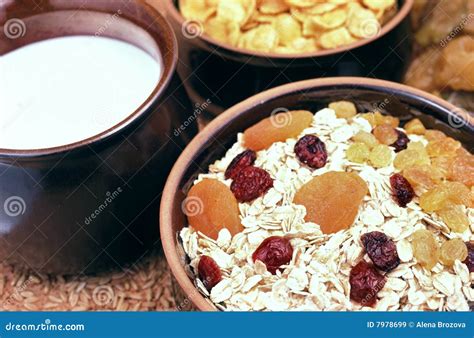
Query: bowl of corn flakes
232	49
336	194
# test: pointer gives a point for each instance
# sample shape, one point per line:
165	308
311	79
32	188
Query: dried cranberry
402	141
381	250
469	261
274	252
209	272
250	183
402	190
311	151
365	283
244	159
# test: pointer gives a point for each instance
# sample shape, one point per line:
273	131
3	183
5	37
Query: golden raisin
385	134
357	152
210	207
425	248
461	169
343	109
415	126
332	199
455	218
369	117
442	164
444	194
414	155
367	138
433	134
386	119
452	250
423	177
277	128
380	156
443	147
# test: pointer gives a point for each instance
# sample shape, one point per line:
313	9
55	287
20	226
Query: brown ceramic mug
93	204
224	75
212	143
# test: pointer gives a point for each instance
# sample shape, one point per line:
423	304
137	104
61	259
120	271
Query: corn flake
289	26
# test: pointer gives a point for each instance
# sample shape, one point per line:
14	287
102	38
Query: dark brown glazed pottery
225	75
212	143
93	204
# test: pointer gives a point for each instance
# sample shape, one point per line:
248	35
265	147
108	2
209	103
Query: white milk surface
64	90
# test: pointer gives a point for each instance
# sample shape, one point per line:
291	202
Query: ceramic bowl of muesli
338	194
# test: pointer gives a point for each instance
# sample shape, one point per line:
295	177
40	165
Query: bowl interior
404	7
389	98
134	22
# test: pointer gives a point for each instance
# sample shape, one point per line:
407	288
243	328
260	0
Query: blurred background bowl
47	196
211	144
224	75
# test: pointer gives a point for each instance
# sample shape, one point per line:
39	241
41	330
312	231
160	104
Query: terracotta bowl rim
167	206
402	13
158	90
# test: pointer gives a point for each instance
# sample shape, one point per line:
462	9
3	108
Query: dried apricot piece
452	250
425	248
461	169
210	207
358	152
385	134
277	128
415	126
380	156
455	218
332	199
367	138
343	109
